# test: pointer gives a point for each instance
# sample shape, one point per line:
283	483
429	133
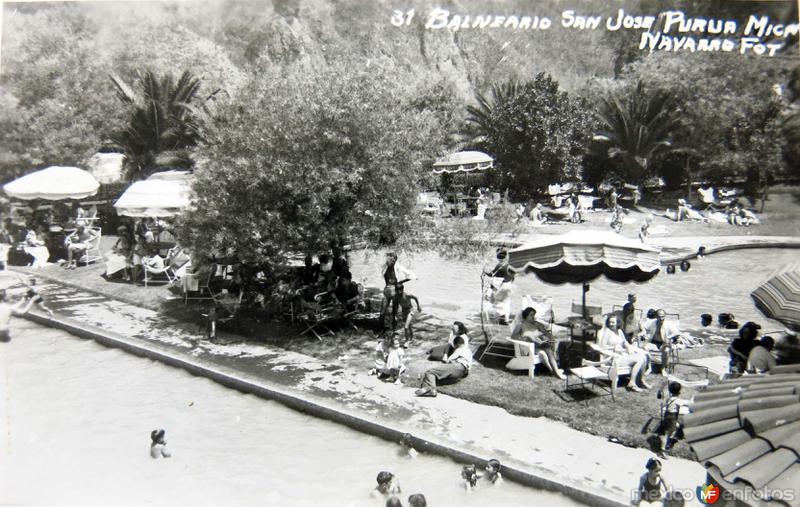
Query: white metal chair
92	252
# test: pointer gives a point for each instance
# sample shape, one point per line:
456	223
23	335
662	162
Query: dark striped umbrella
779	297
582	256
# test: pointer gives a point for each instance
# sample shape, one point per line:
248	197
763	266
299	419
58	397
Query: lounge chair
172	262
198	288
522	354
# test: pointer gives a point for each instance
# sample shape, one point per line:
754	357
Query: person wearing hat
387	485
158	445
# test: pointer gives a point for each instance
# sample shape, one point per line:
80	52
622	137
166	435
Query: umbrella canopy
779	297
463	161
53	184
582	256
154	197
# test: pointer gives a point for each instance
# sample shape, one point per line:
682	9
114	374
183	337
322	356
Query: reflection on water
76	422
718	283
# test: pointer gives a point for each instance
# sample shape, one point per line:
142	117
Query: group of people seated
50	234
750	353
136	250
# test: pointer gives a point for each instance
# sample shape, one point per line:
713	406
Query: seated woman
611	339
438	353
77	242
35	246
527	328
118	260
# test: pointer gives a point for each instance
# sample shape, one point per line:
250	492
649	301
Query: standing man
630	325
393	275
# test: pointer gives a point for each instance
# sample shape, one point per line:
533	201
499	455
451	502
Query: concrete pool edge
264	389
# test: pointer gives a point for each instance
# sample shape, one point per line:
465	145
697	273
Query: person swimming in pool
493	472
470	476
387	485
7	310
158	445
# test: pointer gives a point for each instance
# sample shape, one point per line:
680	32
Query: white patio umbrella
53	184
156	197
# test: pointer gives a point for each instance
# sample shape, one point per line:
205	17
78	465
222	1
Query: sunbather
392	367
78	241
439	352
611	339
455	367
527	328
741	347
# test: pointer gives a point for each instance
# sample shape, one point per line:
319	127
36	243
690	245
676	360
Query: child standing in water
651	485
158	446
470	476
493	472
387	485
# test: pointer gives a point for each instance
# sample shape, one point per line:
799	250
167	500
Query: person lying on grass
453	368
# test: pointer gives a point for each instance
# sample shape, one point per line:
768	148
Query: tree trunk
689	178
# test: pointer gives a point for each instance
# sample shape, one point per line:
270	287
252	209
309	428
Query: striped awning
779	297
463	162
582	256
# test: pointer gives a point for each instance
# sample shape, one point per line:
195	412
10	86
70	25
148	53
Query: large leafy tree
636	126
729	117
162	125
305	156
536	132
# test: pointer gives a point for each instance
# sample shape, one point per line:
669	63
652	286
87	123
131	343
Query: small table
588	375
578	326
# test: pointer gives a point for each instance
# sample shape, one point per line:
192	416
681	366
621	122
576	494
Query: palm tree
637	128
163	125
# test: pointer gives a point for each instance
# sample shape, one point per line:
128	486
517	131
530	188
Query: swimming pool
718	283
76	420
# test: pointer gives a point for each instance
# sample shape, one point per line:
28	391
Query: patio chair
92	252
201	290
591	372
318	315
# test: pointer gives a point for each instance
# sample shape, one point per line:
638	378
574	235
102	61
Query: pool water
76	420
718	283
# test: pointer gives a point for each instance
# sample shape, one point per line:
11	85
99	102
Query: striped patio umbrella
582	256
779	297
